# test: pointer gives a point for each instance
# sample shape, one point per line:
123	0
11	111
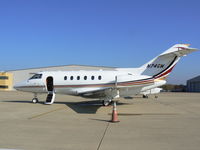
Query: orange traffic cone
114	114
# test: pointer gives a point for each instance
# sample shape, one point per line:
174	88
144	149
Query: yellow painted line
42	114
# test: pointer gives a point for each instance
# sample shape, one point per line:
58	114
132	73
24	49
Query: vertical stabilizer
163	64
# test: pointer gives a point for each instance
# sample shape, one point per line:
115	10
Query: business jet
106	85
151	91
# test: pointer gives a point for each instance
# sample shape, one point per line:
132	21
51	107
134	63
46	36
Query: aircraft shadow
84	107
18	101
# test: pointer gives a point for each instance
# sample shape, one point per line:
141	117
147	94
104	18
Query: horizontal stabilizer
180	50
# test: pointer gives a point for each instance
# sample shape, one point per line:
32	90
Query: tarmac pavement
170	122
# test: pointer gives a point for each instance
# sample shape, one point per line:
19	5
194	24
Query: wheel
106	103
145	96
35	100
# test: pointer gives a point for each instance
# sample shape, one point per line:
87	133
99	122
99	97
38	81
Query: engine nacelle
129	78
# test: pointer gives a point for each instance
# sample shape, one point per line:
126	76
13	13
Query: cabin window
71	78
65	78
99	77
78	77
92	77
85	77
36	76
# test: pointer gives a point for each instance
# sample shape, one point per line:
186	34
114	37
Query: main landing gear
107	102
145	96
111	94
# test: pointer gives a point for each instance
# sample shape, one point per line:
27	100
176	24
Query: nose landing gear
35	99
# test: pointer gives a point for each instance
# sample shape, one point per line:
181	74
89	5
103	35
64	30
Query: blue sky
119	33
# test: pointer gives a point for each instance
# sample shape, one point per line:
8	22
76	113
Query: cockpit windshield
36	76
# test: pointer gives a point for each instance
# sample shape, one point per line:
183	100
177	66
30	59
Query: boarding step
50	97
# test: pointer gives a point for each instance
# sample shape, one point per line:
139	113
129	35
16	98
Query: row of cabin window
85	77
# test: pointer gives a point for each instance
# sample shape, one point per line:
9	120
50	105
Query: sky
118	33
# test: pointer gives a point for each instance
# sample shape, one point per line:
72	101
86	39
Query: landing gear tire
106	103
145	96
35	100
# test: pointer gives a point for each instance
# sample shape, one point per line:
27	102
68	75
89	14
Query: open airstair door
51	92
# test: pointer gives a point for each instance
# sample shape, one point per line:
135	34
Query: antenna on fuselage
115	81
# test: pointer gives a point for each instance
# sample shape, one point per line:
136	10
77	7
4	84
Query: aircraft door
50	85
50	88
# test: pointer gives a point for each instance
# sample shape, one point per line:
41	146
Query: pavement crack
42	114
103	136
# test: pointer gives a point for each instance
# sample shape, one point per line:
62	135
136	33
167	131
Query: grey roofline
193	79
60	66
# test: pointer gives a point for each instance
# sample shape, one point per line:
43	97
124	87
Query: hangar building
193	85
9	78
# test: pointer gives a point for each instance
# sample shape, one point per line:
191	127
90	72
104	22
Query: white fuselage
78	82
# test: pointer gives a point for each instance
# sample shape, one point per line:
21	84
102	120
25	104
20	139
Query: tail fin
163	64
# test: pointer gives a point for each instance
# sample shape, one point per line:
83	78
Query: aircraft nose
20	86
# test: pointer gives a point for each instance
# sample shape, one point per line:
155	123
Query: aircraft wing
130	87
95	93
